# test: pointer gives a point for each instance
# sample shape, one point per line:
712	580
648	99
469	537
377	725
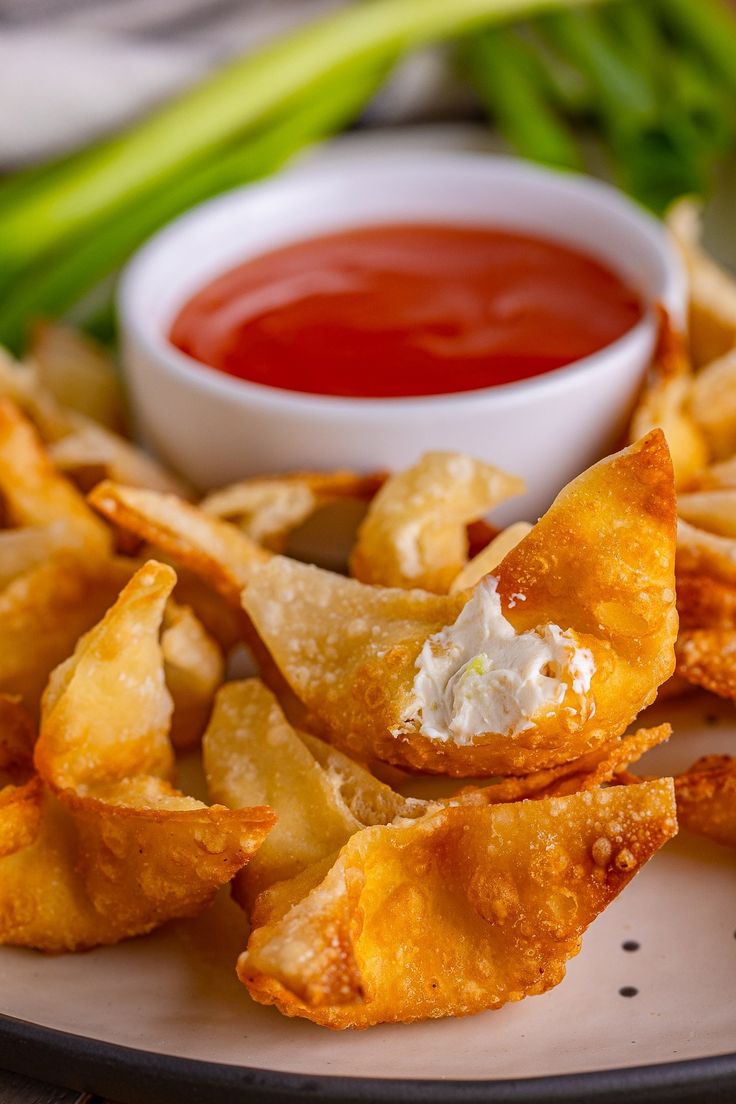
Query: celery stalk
710	26
241	96
507	77
53	287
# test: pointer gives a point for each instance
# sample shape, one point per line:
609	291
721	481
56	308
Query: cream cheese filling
479	675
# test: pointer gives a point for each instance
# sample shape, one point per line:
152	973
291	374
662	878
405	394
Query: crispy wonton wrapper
45	610
714	404
706	578
253	756
491	556
194	668
117	850
375	908
214	549
35	494
92	451
269	508
600	563
706	798
707	658
712	290
415	531
78	373
463	910
665	402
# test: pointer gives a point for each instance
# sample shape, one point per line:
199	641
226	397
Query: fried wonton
713	404
214	549
78	373
253	756
491	556
462	910
269	508
706	578
712	510
707	658
712	290
415	531
82	448
90	453
706	798
665	402
588	772
35	494
117	849
44	611
194	668
548	659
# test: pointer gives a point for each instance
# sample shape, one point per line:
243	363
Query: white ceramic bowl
214	429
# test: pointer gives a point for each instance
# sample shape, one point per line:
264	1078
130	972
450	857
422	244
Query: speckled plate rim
124	1074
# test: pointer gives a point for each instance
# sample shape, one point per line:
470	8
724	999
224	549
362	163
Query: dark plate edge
135	1076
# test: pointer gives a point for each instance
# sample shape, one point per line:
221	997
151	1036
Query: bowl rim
176	365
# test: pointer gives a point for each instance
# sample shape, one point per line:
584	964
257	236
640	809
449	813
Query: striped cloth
71	70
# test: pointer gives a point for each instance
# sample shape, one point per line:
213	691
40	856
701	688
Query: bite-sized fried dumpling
117	849
45	610
268	508
81	445
714	404
548	659
214	549
78	373
415	531
706	578
665	401
253	756
707	658
35	494
488	559
712	289
194	667
706	798
462	910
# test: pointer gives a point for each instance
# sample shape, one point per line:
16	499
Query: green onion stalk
512	85
53	286
70	205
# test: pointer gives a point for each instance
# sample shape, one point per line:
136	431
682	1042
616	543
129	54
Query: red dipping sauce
399	310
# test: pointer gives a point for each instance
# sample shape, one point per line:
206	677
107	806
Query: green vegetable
51	289
512	86
708	25
69	224
655	78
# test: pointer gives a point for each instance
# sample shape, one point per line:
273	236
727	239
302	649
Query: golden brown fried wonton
665	401
212	548
462	910
268	508
599	564
116	849
706	798
253	756
415	531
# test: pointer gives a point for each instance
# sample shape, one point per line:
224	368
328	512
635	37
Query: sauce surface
401	310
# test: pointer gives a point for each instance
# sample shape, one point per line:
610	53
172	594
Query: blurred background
642	92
